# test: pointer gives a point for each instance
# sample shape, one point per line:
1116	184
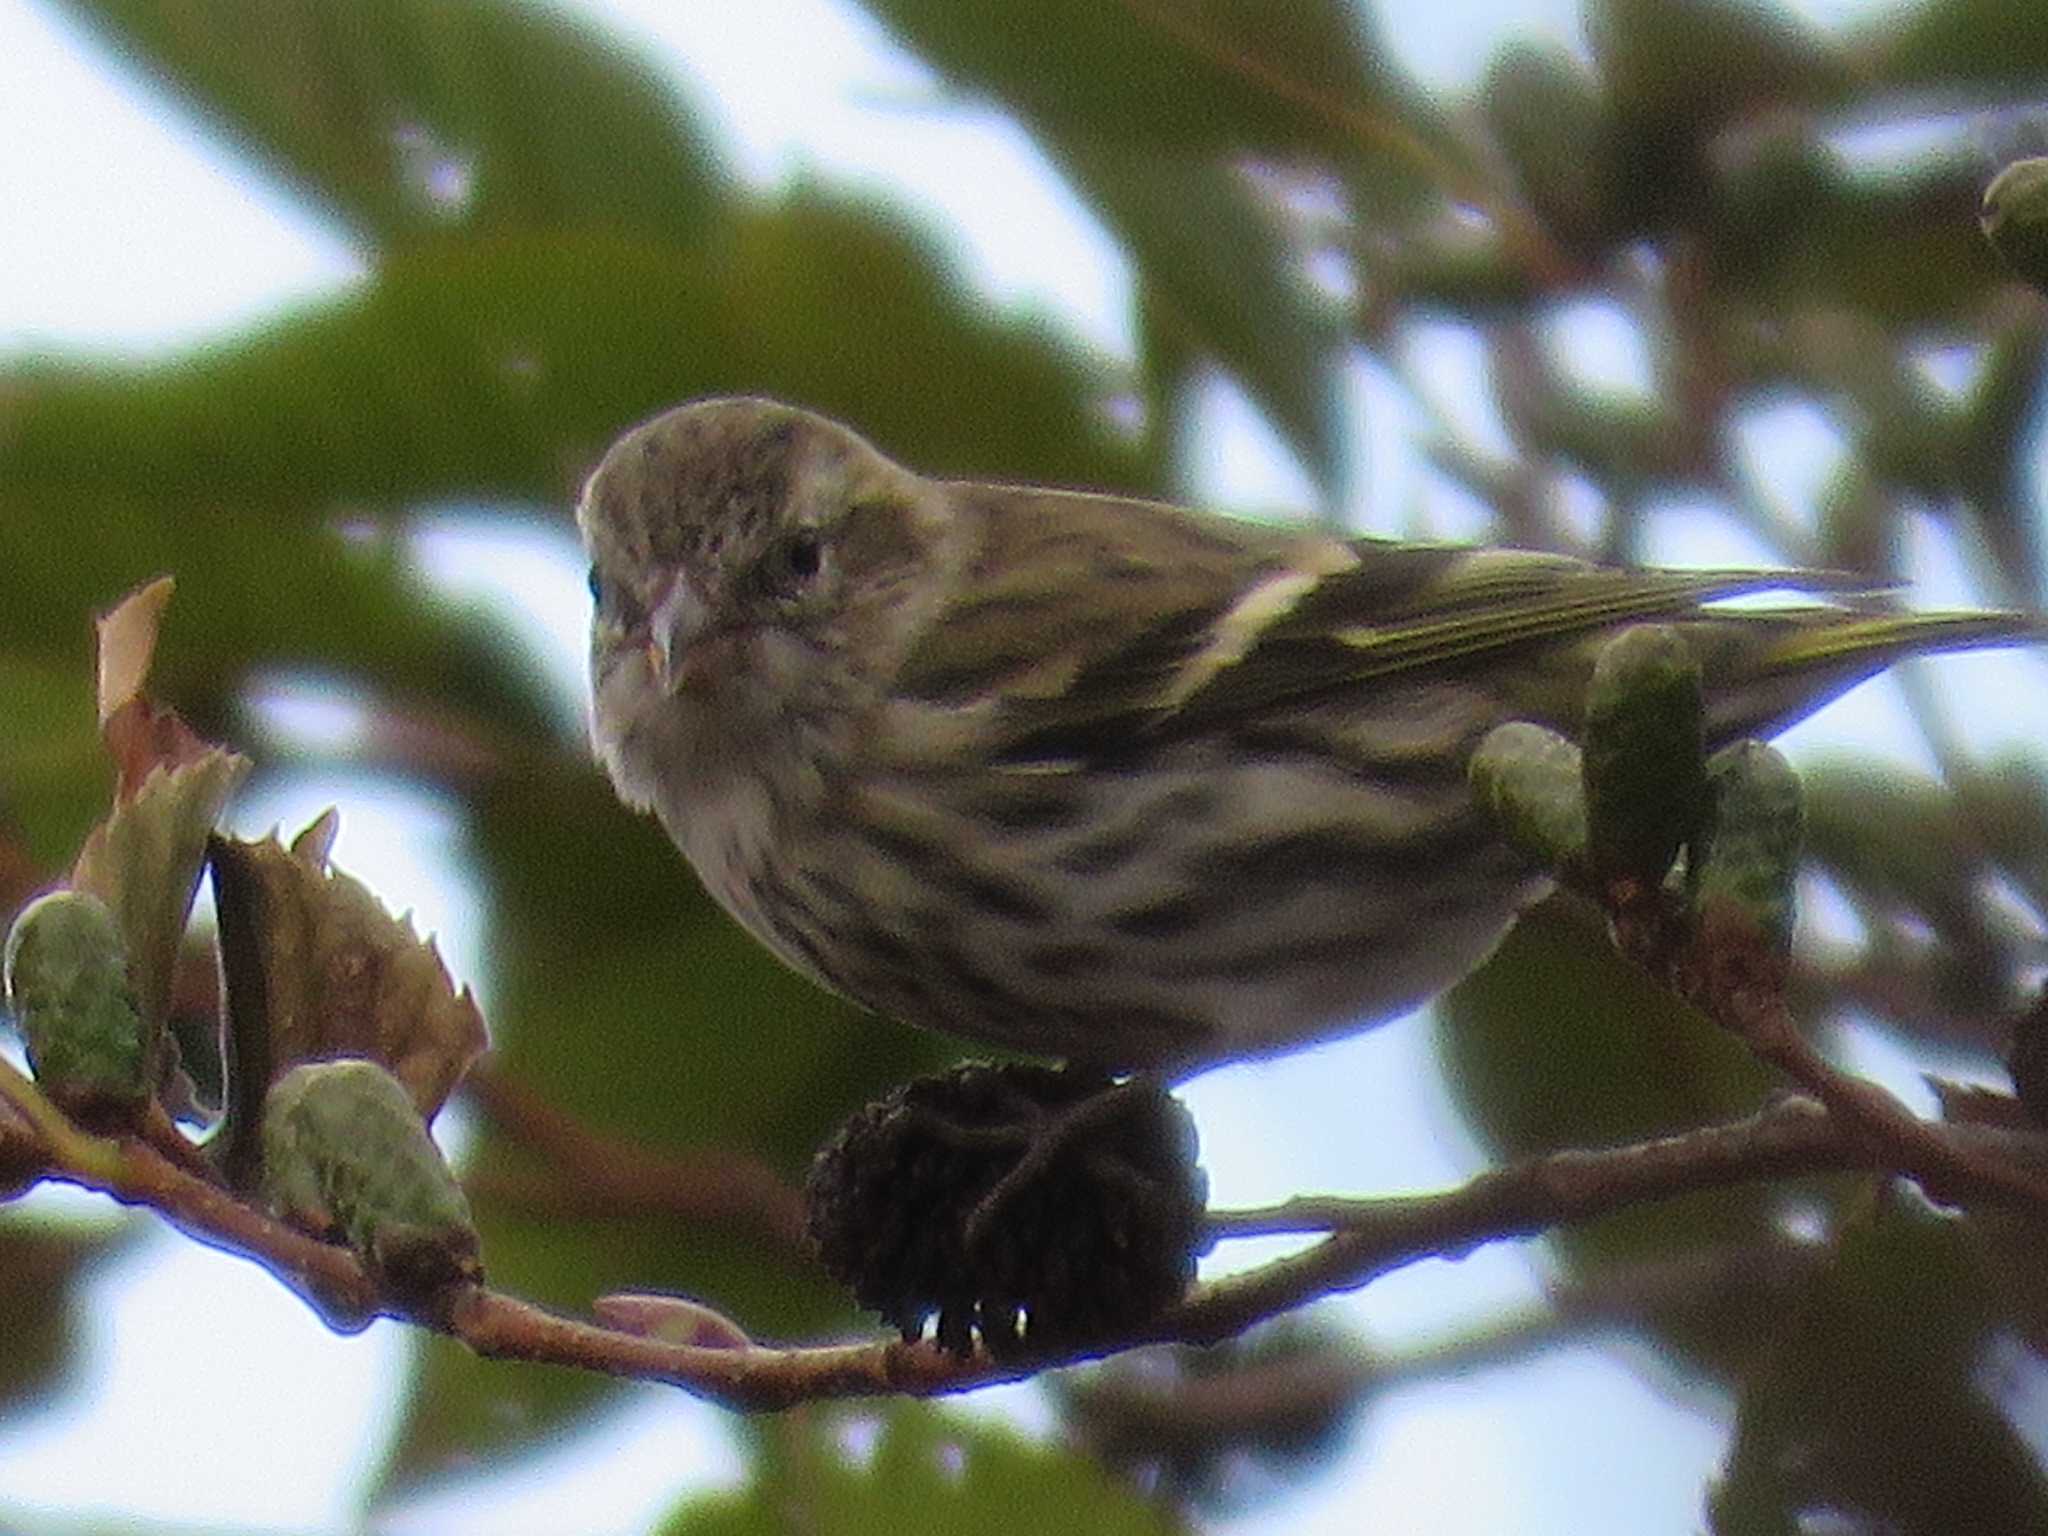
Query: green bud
345	1152
1645	775
1750	860
2015	218
1529	779
67	983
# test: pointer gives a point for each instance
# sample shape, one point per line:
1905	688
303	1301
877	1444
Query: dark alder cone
1101	1238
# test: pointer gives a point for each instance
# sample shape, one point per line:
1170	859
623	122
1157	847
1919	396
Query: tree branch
1733	976
1790	1137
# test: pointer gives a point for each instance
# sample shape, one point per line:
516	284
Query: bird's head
754	569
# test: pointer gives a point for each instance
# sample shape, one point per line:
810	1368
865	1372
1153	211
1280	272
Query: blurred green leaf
1944	46
1790	225
1917	870
41	1265
2005	804
911	1469
1681	76
1558	1041
495	367
1997	452
1548	115
55	780
256	596
1691	66
1874	1406
1152	109
411	117
2008	1245
1220	276
842	306
1212	77
501	367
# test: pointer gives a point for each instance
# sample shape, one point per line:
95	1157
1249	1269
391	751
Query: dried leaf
140	737
143	739
316	968
127	644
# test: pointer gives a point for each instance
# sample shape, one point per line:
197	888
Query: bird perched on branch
1102	778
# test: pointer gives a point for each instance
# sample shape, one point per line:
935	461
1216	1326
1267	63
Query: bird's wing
1087	627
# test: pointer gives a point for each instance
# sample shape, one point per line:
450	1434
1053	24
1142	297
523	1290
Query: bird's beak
678	621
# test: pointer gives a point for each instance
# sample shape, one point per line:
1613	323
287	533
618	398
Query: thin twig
330	1279
595	1174
1792	1136
160	1131
67	1148
1382	130
1946	1170
1727	970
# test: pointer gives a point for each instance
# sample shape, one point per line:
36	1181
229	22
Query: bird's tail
1816	655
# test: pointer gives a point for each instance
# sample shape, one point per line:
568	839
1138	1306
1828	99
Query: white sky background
121	228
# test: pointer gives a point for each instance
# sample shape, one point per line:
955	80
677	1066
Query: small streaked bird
1109	779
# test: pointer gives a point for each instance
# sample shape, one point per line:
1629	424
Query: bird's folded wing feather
1093	629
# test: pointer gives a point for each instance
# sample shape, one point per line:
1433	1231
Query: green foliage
1148	107
914	1469
1877	1406
41	1264
544	120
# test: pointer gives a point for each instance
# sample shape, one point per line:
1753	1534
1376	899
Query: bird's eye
596	586
799	558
